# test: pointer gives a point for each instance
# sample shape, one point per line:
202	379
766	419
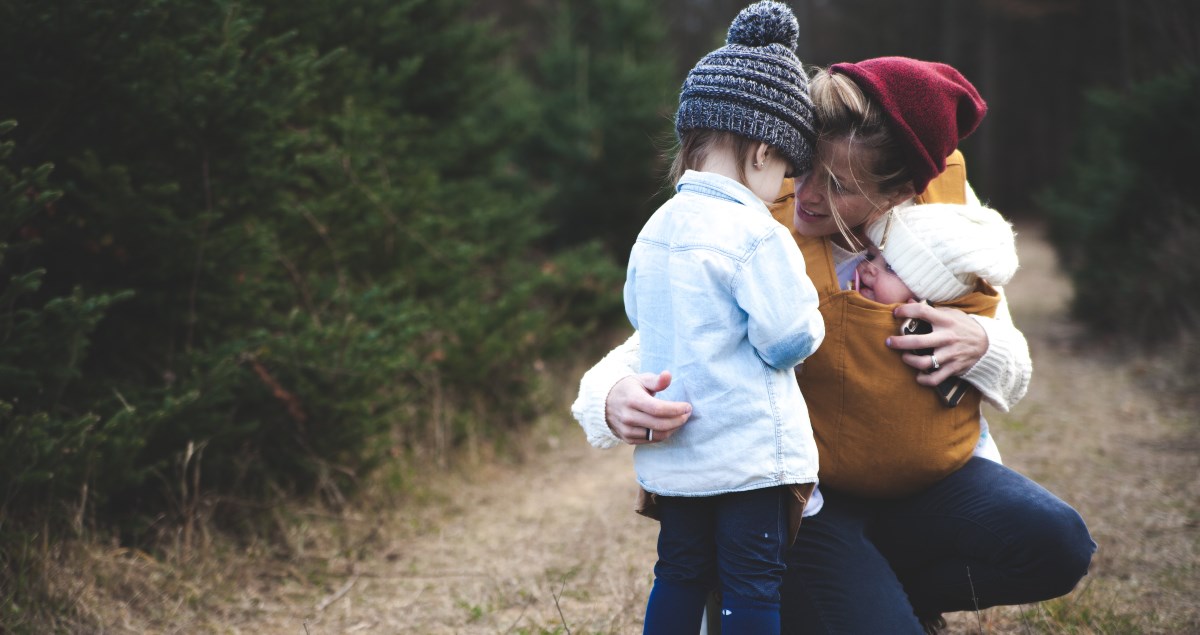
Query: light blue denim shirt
719	293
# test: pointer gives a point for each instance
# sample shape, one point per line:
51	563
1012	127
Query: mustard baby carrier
879	433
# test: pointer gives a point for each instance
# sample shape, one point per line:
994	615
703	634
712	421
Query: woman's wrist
591	405
1002	374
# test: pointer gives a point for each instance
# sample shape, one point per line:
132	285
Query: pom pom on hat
763	24
930	106
940	250
754	86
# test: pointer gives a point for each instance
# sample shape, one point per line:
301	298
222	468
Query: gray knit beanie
754	86
940	250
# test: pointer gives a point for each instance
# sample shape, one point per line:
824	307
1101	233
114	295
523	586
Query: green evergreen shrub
607	91
292	239
1125	218
48	445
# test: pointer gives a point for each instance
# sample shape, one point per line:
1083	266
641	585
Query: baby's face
877	281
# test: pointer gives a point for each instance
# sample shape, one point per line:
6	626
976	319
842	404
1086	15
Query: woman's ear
901	194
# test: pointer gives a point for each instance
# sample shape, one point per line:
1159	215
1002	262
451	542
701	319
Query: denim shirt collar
722	187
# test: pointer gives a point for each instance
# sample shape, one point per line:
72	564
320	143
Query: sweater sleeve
596	383
1004	371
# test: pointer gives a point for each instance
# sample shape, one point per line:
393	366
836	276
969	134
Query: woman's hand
958	342
636	417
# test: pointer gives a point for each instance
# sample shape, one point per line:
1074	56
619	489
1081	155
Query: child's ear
761	152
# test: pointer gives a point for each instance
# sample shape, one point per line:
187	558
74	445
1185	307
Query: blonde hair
695	146
876	157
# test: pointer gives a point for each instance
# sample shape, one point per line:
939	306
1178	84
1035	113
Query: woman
984	535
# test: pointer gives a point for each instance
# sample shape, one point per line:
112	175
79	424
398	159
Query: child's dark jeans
734	542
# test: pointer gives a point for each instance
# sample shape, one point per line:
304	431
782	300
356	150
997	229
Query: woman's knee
1066	548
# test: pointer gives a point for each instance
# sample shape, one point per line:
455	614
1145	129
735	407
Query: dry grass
547	542
535	542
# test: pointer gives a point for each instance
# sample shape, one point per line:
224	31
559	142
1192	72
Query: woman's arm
616	403
1004	371
989	353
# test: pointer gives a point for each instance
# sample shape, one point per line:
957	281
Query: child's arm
784	324
630	290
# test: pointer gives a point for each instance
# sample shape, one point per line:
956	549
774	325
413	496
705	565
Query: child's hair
753	87
695	146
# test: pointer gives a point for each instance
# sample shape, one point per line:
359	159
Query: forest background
262	252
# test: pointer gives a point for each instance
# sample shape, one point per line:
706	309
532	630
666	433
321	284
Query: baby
937	253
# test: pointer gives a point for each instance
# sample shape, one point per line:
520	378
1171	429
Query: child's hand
636	417
958	342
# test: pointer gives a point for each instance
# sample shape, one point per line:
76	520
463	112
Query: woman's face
830	186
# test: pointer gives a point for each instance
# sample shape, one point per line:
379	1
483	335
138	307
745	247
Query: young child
718	291
947	255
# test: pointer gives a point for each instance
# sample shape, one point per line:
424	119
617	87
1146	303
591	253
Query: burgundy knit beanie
930	106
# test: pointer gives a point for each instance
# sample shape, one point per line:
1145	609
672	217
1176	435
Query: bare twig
427	576
518	620
186	500
322	231
416	597
975	601
128	408
431	382
301	286
77	519
289	400
337	595
556	605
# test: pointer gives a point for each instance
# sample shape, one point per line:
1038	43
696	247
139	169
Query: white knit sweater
1002	375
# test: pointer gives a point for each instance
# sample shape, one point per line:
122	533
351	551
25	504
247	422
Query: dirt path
552	544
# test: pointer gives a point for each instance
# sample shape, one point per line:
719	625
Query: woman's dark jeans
982	537
734	542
